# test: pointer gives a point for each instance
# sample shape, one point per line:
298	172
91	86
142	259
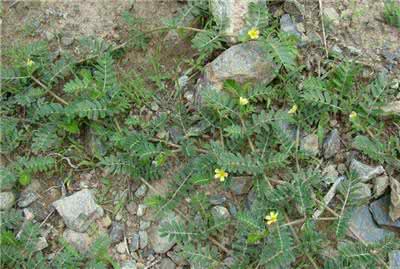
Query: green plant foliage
391	13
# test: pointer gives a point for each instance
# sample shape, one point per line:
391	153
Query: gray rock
381	183
143	239
166	263
132	208
240	185
363	191
39	210
309	144
229	262
336	49
330	174
394	259
331	15
67	40
29	194
217	199
364	171
231	16
232	208
288	26
380	212
121	248
251	197
134	242
394	209
141	210
392	108
245	62
78	210
131	264
117	232
7	200
80	241
293	7
364	227
41	243
141	191
220	213
332	144
94	146
144	225
158	243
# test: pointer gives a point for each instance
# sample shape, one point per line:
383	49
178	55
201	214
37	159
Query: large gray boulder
246	62
78	210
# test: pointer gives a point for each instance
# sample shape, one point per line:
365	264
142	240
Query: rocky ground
97	201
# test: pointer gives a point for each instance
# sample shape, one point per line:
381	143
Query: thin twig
50	91
323	27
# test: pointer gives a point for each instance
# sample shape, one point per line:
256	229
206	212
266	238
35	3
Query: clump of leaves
391	13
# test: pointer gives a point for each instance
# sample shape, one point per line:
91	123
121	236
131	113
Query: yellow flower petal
253	33
353	115
243	101
220	174
29	62
293	109
272	217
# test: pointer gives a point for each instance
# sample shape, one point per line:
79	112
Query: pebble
132	207
143	239
141	210
380	212
81	241
134	242
331	144
220	213
29	194
117	232
121	248
381	183
362	191
7	200
144	225
331	14
310	144
106	221
217	199
67	40
364	171
394	259
240	185
330	174
141	191
288	26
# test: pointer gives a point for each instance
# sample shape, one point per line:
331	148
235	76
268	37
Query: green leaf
25	179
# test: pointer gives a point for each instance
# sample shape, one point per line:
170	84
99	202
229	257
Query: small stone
49	35
240	185
78	210
310	144
183	81
7	200
155	107
67	40
106	221
341	168
80	241
363	225
288	26
300	27
29	194
220	213
362	191
144	225
131	264
336	49
162	244
394	209
41	243
381	183
217	199
331	144
232	208
141	191
365	172
394	259
134	242
380	211
331	15
143	239
330	174
119	216
39	210
132	208
229	262
293	7
141	210
251	198
166	263
28	214
117	232
121	248
392	108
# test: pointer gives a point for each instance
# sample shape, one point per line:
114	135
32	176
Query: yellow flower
243	101
353	115
29	62
272	217
293	109
254	33
220	174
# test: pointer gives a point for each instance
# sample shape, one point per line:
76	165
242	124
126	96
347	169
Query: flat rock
231	16
288	25
158	243
141	210
143	239
166	263
7	200
220	212
141	191
29	194
117	232
245	62
80	241
380	212
394	259
217	199
364	227
331	144
331	15
309	144
134	242
79	210
394	209
293	7
131	264
381	183
392	108
363	191
364	171
240	185
330	173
